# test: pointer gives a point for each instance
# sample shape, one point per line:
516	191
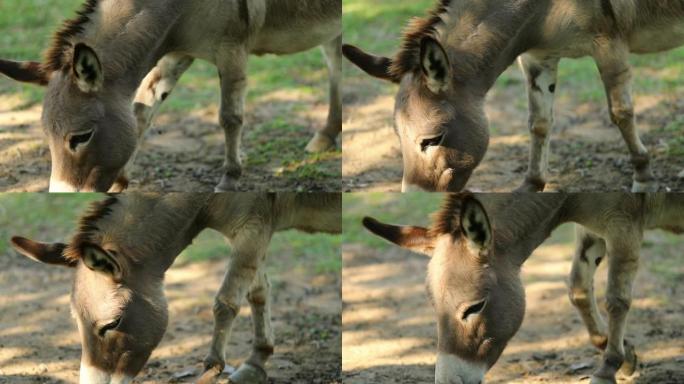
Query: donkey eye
113	325
474	309
431	142
78	139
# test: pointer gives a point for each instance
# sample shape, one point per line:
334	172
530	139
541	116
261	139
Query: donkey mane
55	58
447	219
88	226
407	58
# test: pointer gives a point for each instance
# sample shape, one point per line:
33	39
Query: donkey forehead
96	296
66	108
456	268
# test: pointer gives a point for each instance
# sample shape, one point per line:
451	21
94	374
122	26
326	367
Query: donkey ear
475	223
435	65
48	253
87	69
376	66
416	239
99	260
25	72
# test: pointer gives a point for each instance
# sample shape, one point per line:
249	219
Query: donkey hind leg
153	90
541	85
623	262
253	371
248	255
325	139
589	253
612	61
233	73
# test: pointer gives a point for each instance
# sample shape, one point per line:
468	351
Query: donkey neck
152	229
522	222
483	38
130	37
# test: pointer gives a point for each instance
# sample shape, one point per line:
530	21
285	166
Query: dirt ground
587	151
389	333
186	152
39	341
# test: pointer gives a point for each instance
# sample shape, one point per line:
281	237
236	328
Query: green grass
54	217
376	27
405	209
26	27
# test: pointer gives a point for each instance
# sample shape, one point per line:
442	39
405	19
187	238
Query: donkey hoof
629	366
531	186
211	373
227	184
601	380
644	186
320	143
249	374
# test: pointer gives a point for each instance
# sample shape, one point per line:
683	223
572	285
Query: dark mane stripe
447	219
407	59
88	226
55	58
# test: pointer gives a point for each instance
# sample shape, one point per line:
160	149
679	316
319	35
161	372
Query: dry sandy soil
389	333
39	341
587	152
185	152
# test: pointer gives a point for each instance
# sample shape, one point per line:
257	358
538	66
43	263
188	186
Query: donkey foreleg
253	371
154	89
623	261
325	138
612	60
242	270
541	86
589	253
233	73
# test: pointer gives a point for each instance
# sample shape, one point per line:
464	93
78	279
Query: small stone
574	368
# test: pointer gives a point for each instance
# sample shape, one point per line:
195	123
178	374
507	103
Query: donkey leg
325	139
153	90
589	253
233	73
541	85
245	263
623	259
616	73
253	370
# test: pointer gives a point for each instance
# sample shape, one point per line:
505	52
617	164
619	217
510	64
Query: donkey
125	244
478	245
97	61
449	61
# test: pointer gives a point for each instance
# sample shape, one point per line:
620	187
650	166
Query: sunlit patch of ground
39	340
389	329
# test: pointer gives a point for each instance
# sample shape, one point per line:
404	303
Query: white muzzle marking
59	186
451	369
92	375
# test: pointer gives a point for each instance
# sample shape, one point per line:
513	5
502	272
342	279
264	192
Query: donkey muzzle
451	369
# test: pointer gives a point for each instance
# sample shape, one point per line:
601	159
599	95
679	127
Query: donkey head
117	298
477	297
441	124
89	124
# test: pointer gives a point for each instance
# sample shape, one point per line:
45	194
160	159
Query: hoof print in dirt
249	374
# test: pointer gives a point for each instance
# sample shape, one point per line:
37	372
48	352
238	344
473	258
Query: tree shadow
390	331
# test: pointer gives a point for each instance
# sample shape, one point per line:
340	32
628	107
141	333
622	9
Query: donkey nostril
76	140
431	142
